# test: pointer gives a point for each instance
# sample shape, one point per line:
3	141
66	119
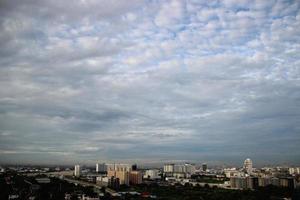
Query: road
84	183
70	180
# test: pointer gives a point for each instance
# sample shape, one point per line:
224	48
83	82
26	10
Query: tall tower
77	170
204	167
97	167
248	166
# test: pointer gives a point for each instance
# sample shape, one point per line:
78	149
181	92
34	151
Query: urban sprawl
111	178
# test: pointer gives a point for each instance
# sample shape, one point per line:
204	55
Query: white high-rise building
184	168
77	170
248	165
168	168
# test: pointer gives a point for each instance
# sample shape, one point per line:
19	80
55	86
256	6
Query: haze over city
149	81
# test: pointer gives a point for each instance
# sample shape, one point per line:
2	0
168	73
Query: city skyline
149	81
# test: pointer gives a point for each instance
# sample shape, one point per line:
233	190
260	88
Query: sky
149	81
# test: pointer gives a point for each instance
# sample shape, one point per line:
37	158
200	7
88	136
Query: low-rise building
102	180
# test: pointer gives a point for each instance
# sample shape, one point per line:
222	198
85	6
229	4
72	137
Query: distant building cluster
113	175
246	177
179	170
255	182
250	178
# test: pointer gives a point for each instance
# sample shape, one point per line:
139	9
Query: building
135	178
97	167
114	183
294	170
118	167
288	182
179	169
255	182
204	167
185	170
2	169
238	182
102	180
152	174
77	170
252	182
120	172
189	168
179	175
101	167
244	182
232	172
134	167
168	168
275	181
248	166
264	181
123	176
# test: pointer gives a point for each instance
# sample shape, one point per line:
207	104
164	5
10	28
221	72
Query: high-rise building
118	167
287	182
244	182
189	168
114	183
168	168
179	169
134	167
77	170
119	171
97	167
248	165
238	182
204	167
135	177
183	168
101	167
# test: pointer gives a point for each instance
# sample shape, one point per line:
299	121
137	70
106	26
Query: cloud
109	80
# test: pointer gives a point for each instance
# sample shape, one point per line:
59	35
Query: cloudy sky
147	81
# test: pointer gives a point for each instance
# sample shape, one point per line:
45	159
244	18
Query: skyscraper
248	165
77	170
204	167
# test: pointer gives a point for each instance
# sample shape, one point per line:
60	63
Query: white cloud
170	13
